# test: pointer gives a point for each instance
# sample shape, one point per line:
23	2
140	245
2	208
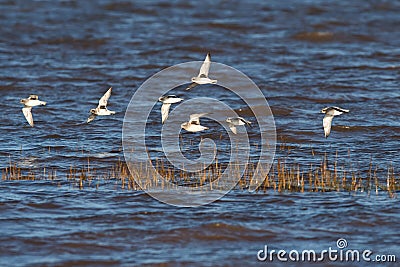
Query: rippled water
64	226
304	55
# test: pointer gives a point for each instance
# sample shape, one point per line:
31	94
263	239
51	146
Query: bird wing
91	118
28	115
245	121
171	100
164	111
327	122
205	67
233	128
103	100
341	109
195	118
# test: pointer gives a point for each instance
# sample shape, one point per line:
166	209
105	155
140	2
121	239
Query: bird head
184	125
324	110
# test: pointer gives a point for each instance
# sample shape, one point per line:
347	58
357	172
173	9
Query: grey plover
193	125
331	112
31	101
167	101
202	78
236	121
101	109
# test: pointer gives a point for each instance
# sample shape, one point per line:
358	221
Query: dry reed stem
282	177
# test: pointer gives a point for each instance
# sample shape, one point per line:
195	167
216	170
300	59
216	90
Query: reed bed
283	176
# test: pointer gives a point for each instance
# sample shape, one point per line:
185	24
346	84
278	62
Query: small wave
363	38
381	128
83	43
52	136
314	36
44	205
216	231
280	111
313	10
152	66
367	67
229	26
128	7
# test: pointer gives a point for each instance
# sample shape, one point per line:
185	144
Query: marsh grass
293	178
283	176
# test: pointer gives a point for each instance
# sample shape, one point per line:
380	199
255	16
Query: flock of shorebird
33	101
193	125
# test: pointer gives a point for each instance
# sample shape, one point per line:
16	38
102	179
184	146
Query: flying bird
101	109
331	112
31	101
193	125
233	122
202	78
167	101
